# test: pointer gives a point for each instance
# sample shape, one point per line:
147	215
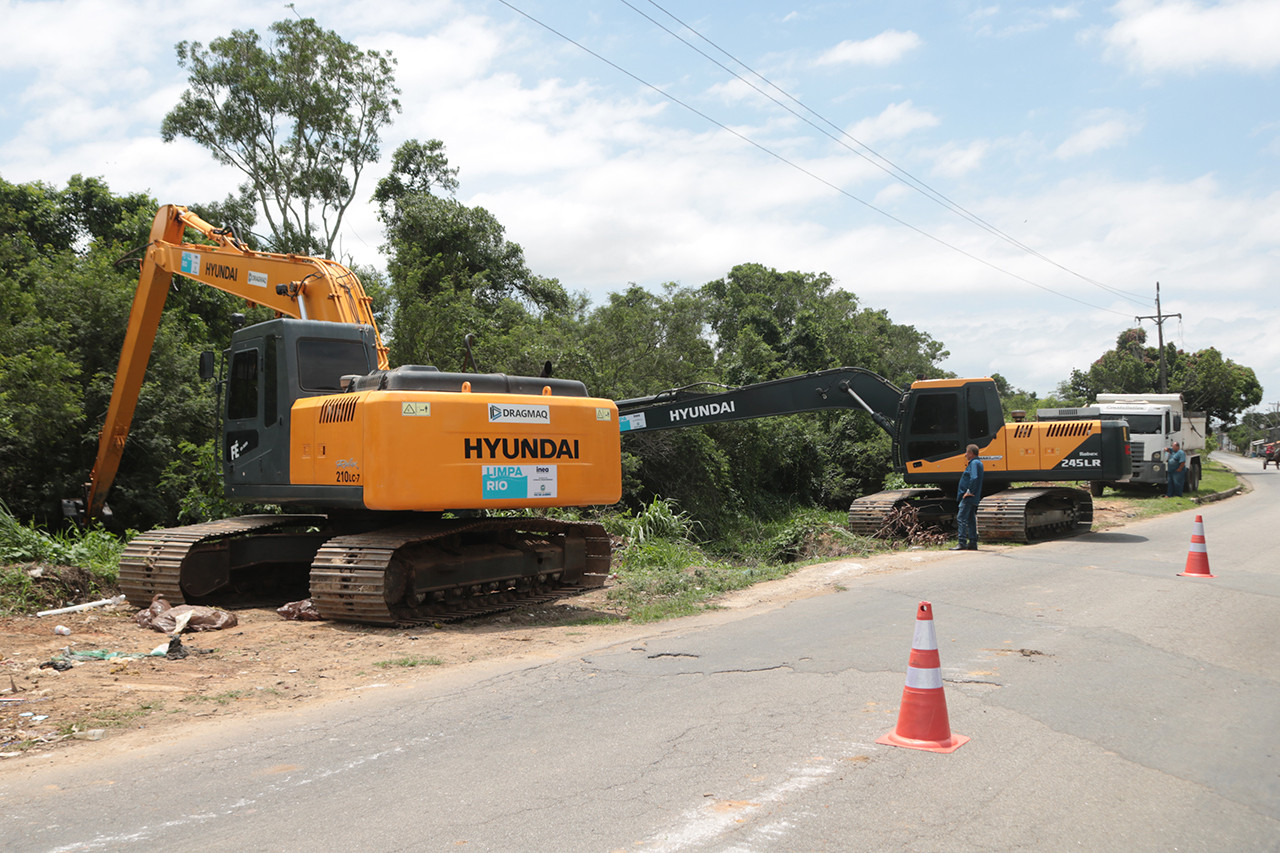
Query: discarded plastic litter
161	616
76	608
91	734
63	630
56	665
303	611
175	651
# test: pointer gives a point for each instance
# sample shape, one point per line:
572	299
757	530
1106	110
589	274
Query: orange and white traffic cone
1198	555
922	717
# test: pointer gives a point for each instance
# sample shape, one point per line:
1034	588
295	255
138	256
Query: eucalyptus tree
299	116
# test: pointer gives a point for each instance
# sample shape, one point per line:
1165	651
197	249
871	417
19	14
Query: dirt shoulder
266	663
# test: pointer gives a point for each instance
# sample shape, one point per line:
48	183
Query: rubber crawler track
151	563
1014	515
364	577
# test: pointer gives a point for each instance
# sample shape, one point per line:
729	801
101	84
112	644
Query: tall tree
299	117
453	271
1207	381
1215	385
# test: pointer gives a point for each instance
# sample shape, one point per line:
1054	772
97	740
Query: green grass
409	662
1216	477
1149	501
92	548
667	574
25	548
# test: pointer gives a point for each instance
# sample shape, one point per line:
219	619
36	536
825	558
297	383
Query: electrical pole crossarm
1160	317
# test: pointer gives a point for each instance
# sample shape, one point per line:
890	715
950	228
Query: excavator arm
839	388
291	285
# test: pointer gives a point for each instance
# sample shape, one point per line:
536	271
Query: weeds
409	662
91	548
659	520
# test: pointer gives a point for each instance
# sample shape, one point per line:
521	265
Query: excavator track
431	571
870	515
180	562
1023	515
1013	515
448	570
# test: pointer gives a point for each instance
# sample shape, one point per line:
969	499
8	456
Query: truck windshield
1145	424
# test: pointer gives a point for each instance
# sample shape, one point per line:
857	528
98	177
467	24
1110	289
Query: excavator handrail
291	285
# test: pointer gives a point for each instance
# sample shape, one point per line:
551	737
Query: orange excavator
396	471
395	465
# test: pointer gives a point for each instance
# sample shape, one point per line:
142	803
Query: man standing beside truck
1177	469
968	493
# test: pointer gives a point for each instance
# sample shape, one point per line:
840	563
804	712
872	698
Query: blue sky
1110	145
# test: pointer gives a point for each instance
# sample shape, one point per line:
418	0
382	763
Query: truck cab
1155	422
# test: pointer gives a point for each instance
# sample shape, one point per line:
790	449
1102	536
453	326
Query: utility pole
1160	318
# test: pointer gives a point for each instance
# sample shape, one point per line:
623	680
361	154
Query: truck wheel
1095	488
1193	478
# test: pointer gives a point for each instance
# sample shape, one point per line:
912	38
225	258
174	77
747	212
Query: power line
880	161
766	150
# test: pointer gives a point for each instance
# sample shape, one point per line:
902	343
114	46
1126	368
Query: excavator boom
838	388
291	285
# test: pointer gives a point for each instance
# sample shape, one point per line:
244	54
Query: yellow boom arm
291	285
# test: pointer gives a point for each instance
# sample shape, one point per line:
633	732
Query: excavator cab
941	417
272	365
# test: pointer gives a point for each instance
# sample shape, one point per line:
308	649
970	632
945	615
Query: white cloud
986	20
955	160
884	49
894	122
1185	36
1106	129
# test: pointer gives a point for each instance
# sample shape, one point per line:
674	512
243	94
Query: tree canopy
299	117
1207	381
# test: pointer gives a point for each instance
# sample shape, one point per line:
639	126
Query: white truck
1155	421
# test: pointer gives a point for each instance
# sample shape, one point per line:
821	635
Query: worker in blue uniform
968	493
1176	475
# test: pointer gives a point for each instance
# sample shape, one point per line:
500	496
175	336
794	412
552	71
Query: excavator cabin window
944	421
323	362
934	428
242	389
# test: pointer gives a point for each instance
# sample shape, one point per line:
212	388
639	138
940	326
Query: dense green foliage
1208	382
64	304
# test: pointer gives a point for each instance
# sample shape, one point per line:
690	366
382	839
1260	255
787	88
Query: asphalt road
1112	705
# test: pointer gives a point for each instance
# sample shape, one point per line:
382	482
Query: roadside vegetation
664	565
1145	502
